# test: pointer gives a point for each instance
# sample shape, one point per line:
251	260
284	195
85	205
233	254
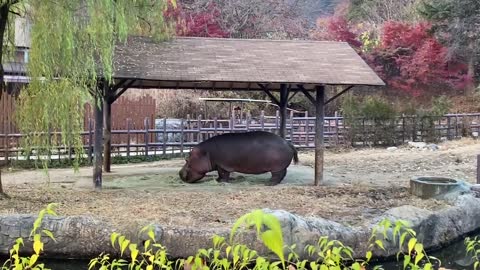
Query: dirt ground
359	185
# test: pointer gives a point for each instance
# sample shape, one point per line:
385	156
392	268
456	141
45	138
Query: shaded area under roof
239	64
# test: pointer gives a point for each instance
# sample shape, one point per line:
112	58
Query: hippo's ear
197	152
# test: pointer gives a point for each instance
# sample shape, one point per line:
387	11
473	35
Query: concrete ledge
86	237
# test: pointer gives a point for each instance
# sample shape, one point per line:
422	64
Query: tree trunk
4	9
3	195
3	25
471	71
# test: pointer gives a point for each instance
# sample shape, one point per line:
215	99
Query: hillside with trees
421	48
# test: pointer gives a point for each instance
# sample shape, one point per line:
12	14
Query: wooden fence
177	136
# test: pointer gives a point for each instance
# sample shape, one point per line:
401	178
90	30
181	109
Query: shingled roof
239	64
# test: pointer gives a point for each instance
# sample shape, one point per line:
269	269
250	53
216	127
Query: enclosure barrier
177	136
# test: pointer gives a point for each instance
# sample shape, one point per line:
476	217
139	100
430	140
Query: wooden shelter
285	66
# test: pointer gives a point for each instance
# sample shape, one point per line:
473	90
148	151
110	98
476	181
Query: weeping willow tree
72	49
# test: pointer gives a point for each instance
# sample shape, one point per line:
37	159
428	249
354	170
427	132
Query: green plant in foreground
473	248
228	255
15	261
413	252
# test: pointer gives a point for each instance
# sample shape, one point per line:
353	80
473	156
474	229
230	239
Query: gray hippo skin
249	152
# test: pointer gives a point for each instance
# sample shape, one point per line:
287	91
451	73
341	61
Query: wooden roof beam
339	94
272	97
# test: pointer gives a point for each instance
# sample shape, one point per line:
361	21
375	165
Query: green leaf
147	244
124	246
418	257
151	234
368	255
37	247
33	260
49	234
402	239
406	261
411	245
476	264
92	264
228	250
273	242
380	244
113	238
356	266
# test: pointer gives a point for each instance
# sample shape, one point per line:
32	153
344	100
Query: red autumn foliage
336	28
196	23
411	59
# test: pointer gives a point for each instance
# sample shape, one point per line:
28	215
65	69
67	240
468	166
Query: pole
283	110
319	146
97	147
107	112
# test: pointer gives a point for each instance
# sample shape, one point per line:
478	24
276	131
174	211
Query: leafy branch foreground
229	255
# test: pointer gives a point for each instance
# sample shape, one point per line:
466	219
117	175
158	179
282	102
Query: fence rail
177	136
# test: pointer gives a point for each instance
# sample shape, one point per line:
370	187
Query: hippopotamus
254	152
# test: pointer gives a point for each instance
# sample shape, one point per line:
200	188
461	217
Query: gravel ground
360	184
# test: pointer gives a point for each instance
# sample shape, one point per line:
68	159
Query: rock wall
87	237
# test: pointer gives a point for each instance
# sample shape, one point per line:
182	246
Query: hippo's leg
277	177
223	175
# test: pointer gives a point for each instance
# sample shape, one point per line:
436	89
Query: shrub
371	120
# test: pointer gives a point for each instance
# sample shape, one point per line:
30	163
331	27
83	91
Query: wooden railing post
215	126
449	135
164	136
337	132
307	130
146	136
128	139
262	120
181	136
247	121
291	126
277	123
199	126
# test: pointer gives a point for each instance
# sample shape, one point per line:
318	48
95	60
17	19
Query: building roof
239	64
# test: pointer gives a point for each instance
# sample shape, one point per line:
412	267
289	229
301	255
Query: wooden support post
283	109
107	134
97	147
319	147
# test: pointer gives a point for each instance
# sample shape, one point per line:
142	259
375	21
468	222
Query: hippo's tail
295	153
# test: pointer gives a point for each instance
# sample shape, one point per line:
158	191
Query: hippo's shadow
239	179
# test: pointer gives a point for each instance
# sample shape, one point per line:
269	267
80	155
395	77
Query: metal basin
431	186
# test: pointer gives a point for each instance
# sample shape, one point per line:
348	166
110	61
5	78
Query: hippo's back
249	152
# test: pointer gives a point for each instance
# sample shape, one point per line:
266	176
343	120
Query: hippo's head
196	166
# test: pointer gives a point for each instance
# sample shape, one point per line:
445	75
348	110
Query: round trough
431	186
